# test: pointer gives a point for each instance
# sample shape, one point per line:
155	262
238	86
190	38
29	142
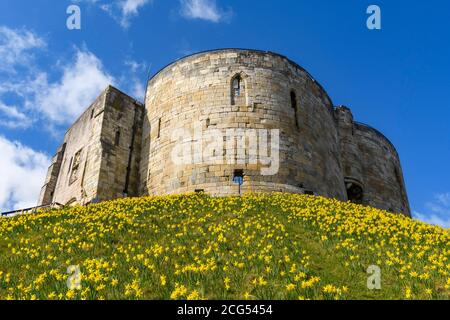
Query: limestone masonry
120	147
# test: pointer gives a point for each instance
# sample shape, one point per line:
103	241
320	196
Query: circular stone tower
231	121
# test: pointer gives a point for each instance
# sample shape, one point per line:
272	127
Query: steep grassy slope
276	246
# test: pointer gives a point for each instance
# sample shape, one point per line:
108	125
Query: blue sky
395	79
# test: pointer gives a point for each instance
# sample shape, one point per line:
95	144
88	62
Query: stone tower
100	155
226	122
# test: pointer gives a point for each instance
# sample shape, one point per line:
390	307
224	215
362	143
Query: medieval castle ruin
260	105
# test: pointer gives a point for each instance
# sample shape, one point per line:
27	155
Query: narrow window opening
159	128
117	138
208	122
92	113
75	167
237	90
294	106
237	86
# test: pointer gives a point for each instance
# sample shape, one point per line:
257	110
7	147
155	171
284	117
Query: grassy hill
277	246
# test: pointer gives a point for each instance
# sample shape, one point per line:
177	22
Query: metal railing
31	210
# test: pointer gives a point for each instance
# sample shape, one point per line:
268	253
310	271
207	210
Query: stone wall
200	89
49	188
371	165
93	167
78	177
383	175
121	143
242	100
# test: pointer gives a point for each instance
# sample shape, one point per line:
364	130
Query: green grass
277	246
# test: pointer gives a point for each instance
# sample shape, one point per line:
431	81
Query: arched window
117	138
294	106
238	94
237	82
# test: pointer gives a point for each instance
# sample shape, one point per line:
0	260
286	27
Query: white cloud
13	118
78	87
15	47
444	199
131	7
204	10
59	102
22	172
138	90
439	210
131	79
432	219
135	66
120	10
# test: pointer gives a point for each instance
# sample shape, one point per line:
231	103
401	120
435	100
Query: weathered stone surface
321	149
91	166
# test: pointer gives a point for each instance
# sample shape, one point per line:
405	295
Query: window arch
294	106
117	138
238	90
237	83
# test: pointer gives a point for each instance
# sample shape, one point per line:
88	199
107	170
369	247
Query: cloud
439	210
122	10
13	118
22	172
15	47
204	10
129	9
131	79
432	219
135	66
59	102
80	84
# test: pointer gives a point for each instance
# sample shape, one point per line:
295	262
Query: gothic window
237	90
117	138
237	82
294	106
75	167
